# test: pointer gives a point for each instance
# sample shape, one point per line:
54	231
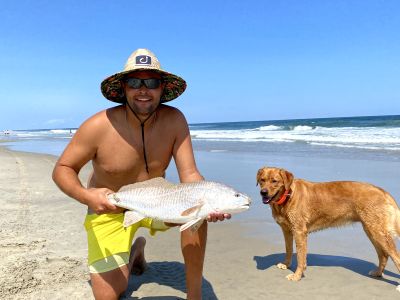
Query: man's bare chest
121	156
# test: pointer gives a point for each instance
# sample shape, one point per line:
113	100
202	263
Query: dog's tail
393	215
397	222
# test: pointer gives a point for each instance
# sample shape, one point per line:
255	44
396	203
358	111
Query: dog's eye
237	195
274	181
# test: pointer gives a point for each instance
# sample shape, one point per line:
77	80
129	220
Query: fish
187	204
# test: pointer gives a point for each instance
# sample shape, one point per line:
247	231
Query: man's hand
212	217
172	224
98	202
216	216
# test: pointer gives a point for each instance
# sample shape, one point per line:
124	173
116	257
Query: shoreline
43	247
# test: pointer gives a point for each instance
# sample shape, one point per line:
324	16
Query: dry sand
43	251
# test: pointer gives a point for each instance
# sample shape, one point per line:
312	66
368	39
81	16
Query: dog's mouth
266	199
265	196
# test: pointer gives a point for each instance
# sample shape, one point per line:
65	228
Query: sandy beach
43	247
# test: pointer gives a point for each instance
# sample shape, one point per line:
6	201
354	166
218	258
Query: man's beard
143	110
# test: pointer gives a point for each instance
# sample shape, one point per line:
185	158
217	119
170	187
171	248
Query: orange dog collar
283	198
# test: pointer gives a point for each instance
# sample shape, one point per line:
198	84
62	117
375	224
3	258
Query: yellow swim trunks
109	242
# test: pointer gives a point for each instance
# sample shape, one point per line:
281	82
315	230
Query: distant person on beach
129	143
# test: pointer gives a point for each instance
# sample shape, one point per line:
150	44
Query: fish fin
192	210
132	217
112	198
154	182
196	226
193	225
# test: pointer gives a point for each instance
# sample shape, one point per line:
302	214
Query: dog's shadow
167	273
356	265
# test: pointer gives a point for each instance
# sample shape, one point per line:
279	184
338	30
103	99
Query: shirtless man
129	143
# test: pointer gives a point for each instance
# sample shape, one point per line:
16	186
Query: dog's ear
260	171
287	178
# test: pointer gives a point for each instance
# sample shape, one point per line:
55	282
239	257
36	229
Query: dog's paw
293	277
375	273
282	266
398	288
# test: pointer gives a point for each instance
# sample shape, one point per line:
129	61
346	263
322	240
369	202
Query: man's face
143	100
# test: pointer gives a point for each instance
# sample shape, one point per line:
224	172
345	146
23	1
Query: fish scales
183	203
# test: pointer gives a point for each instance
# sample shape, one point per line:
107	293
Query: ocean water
358	148
375	133
376	136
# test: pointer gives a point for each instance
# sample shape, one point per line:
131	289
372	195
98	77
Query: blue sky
242	60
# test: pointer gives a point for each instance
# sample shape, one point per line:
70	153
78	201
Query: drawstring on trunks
142	125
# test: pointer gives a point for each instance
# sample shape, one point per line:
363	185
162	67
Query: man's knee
110	285
107	294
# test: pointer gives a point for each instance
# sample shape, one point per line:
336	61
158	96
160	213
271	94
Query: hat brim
112	89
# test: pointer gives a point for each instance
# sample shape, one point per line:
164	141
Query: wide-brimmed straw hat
142	60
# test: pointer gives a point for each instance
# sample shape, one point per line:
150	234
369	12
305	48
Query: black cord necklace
142	126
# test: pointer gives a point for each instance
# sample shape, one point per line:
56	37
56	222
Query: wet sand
43	247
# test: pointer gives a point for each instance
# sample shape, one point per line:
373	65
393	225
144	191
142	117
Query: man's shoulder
102	119
172	113
173	120
169	109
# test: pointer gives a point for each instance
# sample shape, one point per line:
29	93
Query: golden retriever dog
301	207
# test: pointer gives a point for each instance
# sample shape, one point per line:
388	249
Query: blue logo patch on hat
143	60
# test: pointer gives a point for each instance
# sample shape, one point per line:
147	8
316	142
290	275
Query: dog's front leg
300	237
289	248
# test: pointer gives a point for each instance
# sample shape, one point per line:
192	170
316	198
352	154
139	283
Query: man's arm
193	245
80	150
185	162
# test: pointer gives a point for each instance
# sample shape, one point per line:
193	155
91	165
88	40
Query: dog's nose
264	192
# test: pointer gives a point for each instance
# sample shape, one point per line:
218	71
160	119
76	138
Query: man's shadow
167	273
356	265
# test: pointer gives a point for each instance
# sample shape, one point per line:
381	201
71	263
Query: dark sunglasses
136	83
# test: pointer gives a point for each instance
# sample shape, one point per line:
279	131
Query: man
129	143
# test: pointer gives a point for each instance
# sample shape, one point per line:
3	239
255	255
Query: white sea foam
63	131
383	138
302	128
269	127
55	133
359	137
